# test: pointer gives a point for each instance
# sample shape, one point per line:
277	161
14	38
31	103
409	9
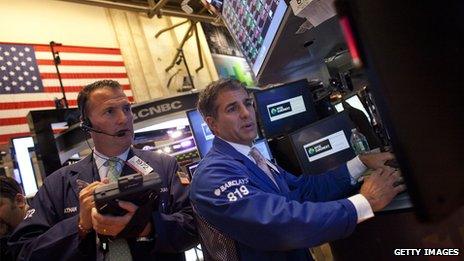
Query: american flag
28	79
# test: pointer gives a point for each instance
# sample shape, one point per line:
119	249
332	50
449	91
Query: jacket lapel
255	172
127	170
85	171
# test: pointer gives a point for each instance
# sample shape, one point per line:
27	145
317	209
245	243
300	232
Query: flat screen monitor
356	103
254	25
285	108
418	91
263	147
323	145
191	167
21	148
201	132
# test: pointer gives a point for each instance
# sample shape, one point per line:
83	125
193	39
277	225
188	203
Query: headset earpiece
86	125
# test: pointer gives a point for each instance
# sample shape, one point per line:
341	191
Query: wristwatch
81	230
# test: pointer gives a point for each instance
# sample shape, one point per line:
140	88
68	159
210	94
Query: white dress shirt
100	161
355	168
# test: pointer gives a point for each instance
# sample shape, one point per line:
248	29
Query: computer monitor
356	103
254	25
201	132
21	147
191	167
263	147
414	65
285	108
323	145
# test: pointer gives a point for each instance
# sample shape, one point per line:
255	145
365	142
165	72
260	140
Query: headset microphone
87	128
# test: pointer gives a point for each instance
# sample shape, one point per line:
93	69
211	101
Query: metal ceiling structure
195	10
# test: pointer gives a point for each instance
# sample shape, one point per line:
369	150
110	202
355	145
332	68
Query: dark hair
207	99
9	187
84	94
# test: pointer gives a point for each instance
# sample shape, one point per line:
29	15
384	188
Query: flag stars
3	68
6	53
31	68
13	49
26	73
7	88
22	88
11	73
28	83
34	78
17	68
15	58
23	63
20	78
27	49
5	78
21	54
29	59
36	88
1	58
9	63
14	83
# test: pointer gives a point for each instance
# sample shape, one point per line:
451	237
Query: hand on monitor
381	187
376	160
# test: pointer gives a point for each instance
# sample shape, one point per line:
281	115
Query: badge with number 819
238	193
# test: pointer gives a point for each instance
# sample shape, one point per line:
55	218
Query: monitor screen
263	147
285	108
201	132
190	168
254	25
21	148
356	103
323	145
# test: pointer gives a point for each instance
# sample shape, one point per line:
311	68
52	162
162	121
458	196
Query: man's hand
112	225
86	203
376	160
378	188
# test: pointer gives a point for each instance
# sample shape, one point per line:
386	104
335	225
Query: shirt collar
101	159
243	149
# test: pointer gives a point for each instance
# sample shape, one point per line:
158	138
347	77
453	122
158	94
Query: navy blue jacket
49	230
232	194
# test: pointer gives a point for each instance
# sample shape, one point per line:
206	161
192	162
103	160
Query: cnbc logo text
318	148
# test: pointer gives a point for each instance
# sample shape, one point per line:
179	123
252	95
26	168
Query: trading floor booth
411	64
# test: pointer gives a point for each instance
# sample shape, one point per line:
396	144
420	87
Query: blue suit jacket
49	230
267	222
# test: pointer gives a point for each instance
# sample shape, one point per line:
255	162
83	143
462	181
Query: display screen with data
254	25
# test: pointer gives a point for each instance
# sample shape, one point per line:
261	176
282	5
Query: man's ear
211	123
20	200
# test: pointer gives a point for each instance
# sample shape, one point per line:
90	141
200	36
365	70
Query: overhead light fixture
186	7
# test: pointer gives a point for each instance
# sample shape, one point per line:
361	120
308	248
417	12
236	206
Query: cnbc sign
286	108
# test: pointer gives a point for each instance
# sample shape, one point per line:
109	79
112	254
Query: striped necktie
262	164
118	248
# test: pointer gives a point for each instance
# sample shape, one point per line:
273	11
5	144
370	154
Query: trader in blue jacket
62	223
250	209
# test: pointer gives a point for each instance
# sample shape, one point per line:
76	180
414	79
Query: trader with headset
63	224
